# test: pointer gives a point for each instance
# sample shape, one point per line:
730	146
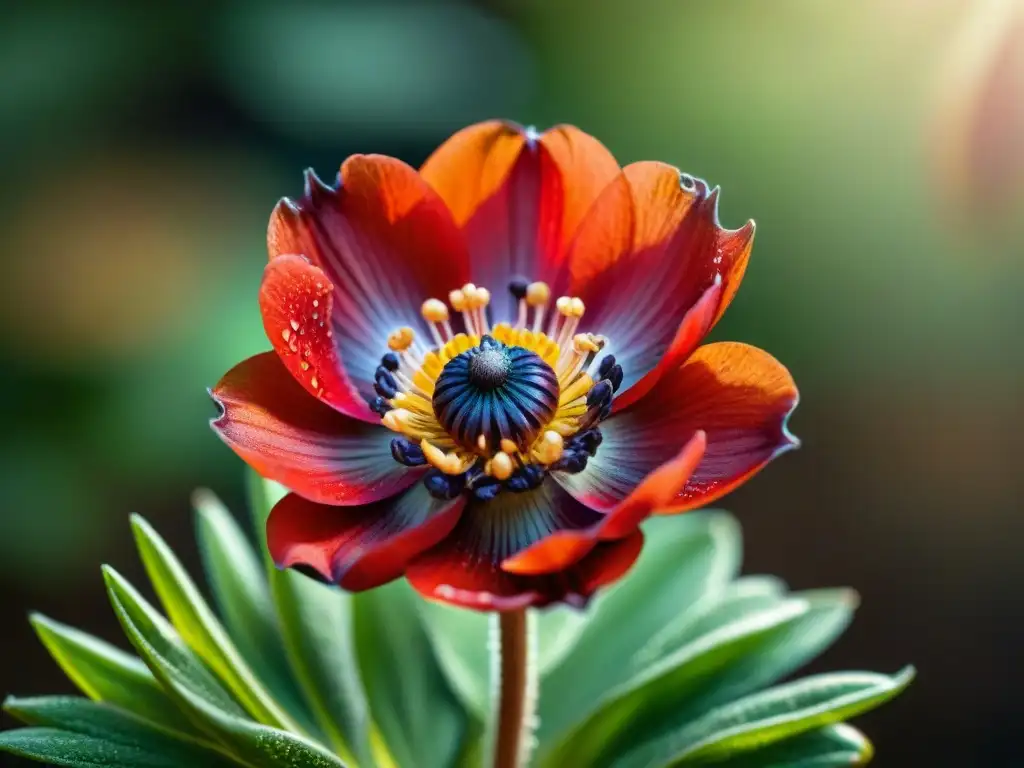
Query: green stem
517	693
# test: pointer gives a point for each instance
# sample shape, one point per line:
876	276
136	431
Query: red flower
495	453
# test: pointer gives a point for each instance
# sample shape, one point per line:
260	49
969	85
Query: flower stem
517	695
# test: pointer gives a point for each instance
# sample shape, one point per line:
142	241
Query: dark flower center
494	392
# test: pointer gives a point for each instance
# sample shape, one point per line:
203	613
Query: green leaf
105	673
834	746
418	716
653	693
199	627
238	581
316	627
685	559
769	716
461	641
199	693
558	630
81	732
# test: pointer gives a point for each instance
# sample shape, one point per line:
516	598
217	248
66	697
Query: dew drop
315	383
286	334
295	325
304	365
293	346
315	304
315	315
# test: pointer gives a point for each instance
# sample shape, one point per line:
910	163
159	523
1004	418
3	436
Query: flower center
495	408
494	392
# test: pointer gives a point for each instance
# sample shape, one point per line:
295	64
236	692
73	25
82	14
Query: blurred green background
878	144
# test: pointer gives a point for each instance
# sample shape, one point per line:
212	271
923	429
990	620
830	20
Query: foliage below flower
672	666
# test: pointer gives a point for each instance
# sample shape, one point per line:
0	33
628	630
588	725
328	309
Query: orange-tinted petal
358	547
653	233
656	490
289	436
454	573
385	240
518	196
739	395
297	303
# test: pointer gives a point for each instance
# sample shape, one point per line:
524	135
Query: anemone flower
486	374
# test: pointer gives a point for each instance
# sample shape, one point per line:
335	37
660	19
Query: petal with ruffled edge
565	547
741	396
358	547
654	234
465	569
288	436
386	241
519	197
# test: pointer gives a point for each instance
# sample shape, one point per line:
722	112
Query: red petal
359	547
385	240
656	490
288	436
297	301
654	233
519	197
739	395
453	574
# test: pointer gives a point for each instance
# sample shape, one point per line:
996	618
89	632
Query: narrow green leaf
193	618
238	581
316	627
461	640
418	716
684	559
199	693
558	630
75	750
92	730
621	714
105	673
769	716
834	746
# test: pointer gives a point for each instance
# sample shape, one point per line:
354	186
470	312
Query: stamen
401	339
518	288
550	447
435	313
537	296
500	466
483	299
508	446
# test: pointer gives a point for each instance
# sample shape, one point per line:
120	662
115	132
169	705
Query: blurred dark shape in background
144	147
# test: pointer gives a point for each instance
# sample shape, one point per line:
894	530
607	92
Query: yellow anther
457	299
549	447
483	297
537	294
585	342
481	443
564	305
448	463
396	419
500	466
508	446
469	291
401	339
434	311
576	307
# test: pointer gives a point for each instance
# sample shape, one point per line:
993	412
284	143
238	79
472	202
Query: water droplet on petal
295	325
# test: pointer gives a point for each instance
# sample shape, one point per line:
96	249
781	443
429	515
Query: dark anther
606	410
525	478
379	405
571	462
389	361
518	287
385	385
587	441
407	452
486	488
599	394
442	486
606	365
615	377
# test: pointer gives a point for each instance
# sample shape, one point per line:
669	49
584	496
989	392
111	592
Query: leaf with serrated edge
254	744
105	673
784	711
684	560
316	627
114	727
199	627
238	581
